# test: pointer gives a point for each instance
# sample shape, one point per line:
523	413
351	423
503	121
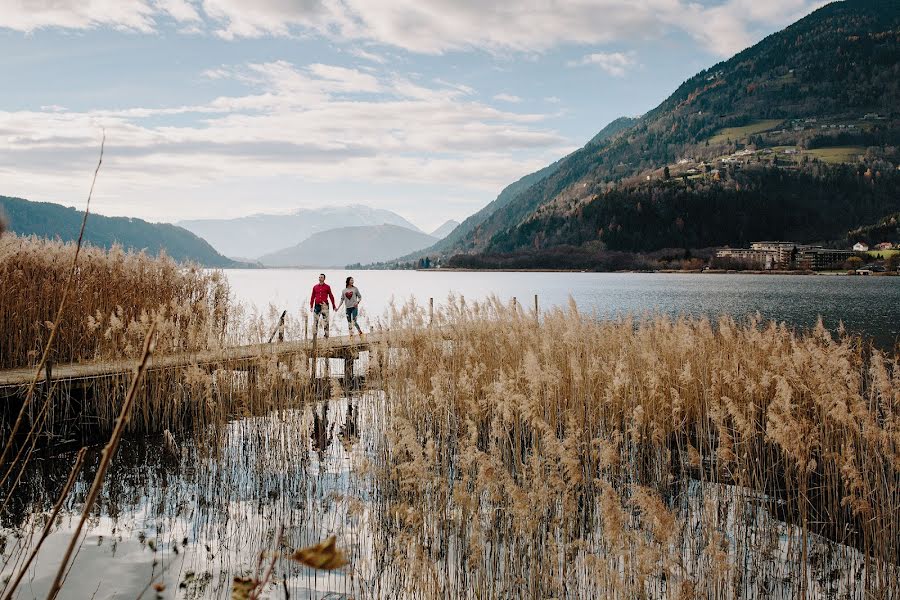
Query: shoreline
660	271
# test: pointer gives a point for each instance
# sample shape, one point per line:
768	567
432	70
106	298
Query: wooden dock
237	358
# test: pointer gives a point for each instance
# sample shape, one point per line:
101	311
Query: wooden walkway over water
237	358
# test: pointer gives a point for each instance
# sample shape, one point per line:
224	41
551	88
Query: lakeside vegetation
505	452
640	458
115	296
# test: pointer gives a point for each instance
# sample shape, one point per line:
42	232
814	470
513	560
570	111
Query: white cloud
320	123
370	56
431	26
180	10
507	98
614	63
29	15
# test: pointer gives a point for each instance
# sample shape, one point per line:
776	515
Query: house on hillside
860	247
884	246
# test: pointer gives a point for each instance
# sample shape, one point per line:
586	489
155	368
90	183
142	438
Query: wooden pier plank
334	347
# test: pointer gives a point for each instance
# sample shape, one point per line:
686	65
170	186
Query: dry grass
647	458
115	297
512	456
838	154
739	133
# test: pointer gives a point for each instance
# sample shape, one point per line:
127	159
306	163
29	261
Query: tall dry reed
115	296
571	457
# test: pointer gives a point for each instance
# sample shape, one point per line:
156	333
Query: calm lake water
866	305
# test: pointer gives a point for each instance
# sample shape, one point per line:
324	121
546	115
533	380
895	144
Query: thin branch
29	395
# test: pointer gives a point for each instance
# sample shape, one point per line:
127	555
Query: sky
224	108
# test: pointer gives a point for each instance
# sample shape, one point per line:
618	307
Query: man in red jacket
318	302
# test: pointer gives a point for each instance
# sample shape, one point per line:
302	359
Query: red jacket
321	293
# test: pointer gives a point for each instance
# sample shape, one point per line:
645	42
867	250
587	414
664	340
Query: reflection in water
193	521
321	432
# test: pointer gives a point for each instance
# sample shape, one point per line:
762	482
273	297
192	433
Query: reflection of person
350	298
321	433
318	302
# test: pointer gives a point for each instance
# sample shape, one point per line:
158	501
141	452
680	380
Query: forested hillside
53	221
750	145
751	204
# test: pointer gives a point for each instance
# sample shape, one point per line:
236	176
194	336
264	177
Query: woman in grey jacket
350	298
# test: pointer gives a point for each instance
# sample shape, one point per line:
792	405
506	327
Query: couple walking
318	302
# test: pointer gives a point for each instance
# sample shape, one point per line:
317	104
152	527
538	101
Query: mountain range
350	245
795	137
45	219
262	234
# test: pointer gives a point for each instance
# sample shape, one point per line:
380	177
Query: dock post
537	313
279	329
515	306
430	311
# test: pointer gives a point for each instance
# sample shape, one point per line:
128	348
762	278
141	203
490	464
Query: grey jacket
350	297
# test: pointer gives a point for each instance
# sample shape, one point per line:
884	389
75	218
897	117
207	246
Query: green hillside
470	232
804	101
45	219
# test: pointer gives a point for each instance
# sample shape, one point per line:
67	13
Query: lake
865	305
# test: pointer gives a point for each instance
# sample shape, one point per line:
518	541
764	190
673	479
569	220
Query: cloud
318	122
614	63
29	15
370	56
180	10
507	98
431	26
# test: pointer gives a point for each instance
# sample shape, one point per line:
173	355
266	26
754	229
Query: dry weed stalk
576	454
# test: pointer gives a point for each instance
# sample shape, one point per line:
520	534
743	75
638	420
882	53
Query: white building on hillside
860	247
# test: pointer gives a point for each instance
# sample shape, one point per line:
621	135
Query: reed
572	457
114	297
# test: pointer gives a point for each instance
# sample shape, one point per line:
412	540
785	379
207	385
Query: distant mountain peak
348	245
445	229
261	234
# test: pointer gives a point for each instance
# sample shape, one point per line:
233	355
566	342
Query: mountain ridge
51	220
264	233
445	229
349	245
